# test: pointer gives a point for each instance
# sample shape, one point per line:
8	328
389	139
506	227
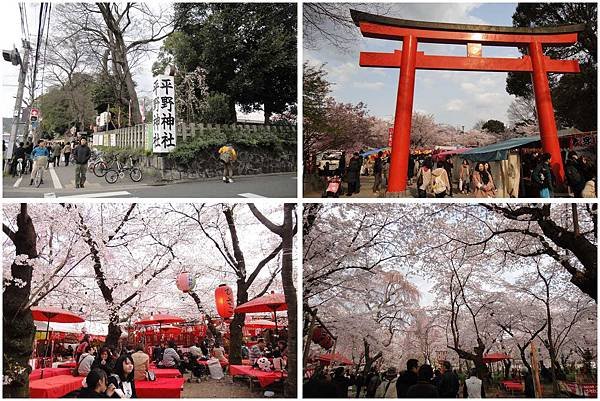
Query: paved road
60	183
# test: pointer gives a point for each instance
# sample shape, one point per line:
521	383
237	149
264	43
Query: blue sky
455	98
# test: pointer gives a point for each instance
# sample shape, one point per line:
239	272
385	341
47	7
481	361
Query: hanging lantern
318	334
185	282
224	301
326	342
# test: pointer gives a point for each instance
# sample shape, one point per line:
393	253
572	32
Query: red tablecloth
54	387
264	378
67	365
49	372
205	363
161	388
512	385
168	373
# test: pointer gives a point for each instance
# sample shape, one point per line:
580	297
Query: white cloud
470	87
342	73
484	100
369	85
455	105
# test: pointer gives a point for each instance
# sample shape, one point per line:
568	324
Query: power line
45	49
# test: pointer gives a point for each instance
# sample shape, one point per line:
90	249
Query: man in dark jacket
353	175
407	378
81	155
378	172
574	174
449	384
423	388
19	154
341	383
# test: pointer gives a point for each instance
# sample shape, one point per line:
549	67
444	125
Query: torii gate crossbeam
474	36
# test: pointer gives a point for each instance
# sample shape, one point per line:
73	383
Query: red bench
49	372
264	378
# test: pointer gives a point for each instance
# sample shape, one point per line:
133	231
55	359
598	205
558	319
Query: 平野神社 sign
164	137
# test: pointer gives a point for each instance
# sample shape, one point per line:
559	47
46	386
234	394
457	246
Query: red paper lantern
327	342
318	334
224	301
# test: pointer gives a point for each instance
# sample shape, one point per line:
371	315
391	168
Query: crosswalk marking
250	195
18	182
98	195
55	180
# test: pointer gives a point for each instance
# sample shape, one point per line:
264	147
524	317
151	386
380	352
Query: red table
72	364
167	373
161	388
54	387
512	385
49	372
264	378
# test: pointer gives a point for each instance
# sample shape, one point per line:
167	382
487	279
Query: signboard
163	115
390	135
34	113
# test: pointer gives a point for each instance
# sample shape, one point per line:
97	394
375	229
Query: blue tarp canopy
497	151
372	151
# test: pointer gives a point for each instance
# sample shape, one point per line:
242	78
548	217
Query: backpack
225	157
438	185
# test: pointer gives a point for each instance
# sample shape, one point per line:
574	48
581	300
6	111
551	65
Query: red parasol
328	358
56	315
497	357
259	324
267	303
160	319
171	330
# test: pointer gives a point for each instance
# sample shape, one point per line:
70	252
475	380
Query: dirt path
224	388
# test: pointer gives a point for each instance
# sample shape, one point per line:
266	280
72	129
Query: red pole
403	117
545	111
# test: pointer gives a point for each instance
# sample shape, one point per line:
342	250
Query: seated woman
123	378
104	361
96	386
84	364
219	353
171	358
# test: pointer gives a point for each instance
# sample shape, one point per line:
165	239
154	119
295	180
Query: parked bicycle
102	165
135	173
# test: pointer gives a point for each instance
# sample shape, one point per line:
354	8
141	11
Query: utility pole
24	65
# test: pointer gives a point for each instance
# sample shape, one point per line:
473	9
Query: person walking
18	154
56	152
372	382
464	177
542	176
424	178
473	387
440	183
39	156
353	174
483	183
81	155
67	152
423	388
378	172
448	166
449	384
387	388
407	378
227	155
574	174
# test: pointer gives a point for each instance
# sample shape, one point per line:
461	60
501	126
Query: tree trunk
114	332
287	279
18	327
211	327
237	324
368	359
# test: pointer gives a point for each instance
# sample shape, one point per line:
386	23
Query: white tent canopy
93	328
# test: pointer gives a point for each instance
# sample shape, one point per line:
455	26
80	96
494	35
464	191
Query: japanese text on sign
163	114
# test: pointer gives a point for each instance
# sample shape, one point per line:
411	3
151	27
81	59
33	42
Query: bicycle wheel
19	169
100	169
37	181
135	174
111	176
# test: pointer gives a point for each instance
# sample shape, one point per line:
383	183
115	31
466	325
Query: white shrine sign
164	136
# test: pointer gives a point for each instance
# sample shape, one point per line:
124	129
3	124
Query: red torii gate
474	36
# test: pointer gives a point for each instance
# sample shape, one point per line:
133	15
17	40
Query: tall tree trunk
211	327
18	327
369	360
287	279
237	324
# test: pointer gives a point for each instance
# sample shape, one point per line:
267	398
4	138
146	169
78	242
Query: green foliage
494	126
574	95
210	140
216	109
248	51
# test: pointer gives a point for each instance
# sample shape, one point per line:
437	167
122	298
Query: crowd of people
46	153
415	382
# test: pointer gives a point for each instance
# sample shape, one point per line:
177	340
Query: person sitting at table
171	358
95	386
257	351
85	341
195	350
157	353
103	361
245	351
141	362
219	353
204	348
123	378
84	365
